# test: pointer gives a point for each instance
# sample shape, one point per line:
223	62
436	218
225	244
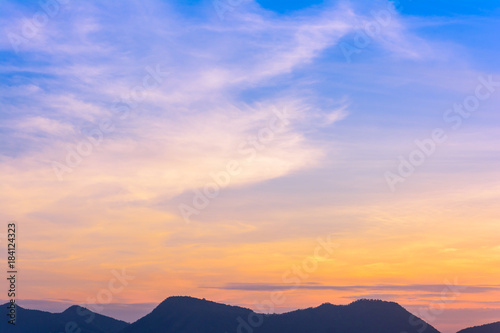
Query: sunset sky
374	126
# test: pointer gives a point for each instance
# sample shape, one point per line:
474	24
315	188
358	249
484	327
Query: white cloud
37	125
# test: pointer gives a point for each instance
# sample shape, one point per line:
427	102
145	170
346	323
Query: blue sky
155	97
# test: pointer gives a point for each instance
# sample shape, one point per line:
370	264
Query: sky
323	150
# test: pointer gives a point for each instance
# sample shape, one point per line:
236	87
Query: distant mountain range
75	319
182	314
185	314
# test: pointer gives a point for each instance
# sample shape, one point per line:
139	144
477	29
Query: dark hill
187	314
191	315
74	319
488	328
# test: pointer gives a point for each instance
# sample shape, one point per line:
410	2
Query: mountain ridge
185	314
74	319
487	328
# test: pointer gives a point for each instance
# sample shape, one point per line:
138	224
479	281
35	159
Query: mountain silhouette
187	314
183	314
488	328
74	319
191	315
